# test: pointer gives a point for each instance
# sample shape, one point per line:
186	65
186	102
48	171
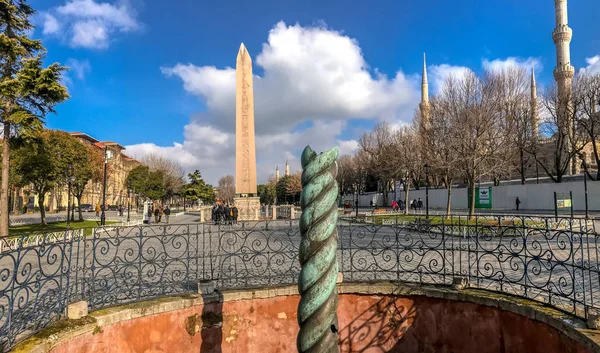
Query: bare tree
345	176
478	128
173	174
587	87
556	152
406	159
226	188
516	117
442	155
378	150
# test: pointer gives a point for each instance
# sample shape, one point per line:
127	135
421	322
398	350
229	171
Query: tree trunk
471	198
5	175
41	197
406	204
448	201
79	203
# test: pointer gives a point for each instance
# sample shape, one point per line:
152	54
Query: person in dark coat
213	214
221	213
156	214
235	214
518	202
167	213
226	214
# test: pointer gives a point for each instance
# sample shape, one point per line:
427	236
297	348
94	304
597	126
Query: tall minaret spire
535	123
424	106
287	168
424	82
564	71
277	173
562	34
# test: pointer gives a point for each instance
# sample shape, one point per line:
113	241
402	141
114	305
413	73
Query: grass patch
457	221
56	227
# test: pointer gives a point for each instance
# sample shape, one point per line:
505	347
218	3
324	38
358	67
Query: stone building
119	166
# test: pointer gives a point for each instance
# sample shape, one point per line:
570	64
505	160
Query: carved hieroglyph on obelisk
245	150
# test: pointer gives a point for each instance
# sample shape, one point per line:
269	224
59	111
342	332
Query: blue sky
153	76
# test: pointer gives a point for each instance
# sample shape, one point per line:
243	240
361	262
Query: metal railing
554	263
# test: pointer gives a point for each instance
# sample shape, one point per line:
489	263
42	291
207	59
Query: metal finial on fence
318	253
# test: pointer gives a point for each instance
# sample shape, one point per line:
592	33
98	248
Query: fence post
318	253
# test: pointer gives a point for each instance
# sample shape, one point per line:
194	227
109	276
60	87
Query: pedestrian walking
420	203
97	210
156	213
160	213
518	202
167	213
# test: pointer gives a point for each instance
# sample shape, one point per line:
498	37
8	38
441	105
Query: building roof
108	143
83	136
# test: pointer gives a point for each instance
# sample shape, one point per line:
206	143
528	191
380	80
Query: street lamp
427	190
70	180
584	166
107	156
128	199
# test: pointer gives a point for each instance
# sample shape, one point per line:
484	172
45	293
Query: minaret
535	120
562	34
287	168
277	174
424	106
564	71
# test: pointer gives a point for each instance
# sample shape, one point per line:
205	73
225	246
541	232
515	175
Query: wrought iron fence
555	263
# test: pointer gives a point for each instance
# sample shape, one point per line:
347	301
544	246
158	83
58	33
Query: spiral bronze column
318	253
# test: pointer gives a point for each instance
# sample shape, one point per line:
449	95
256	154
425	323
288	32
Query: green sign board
483	197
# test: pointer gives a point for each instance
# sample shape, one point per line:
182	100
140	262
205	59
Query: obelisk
246	199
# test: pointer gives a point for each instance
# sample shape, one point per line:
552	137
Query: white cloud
50	24
313	72
593	65
512	62
79	67
90	24
437	75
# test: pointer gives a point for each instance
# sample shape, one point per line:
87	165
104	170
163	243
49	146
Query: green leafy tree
88	163
28	91
268	191
289	188
43	163
155	185
147	183
198	189
137	179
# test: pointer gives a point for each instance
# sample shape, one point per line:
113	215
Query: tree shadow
211	331
380	328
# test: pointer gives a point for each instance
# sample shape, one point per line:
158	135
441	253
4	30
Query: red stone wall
367	324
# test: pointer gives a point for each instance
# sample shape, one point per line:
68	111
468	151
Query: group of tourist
415	205
224	214
159	212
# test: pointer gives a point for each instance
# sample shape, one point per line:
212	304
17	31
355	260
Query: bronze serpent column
318	253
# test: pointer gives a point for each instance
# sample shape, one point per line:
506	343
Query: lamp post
70	180
103	215
426	190
584	166
128	199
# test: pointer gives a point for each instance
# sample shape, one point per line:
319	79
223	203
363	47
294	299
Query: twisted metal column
318	253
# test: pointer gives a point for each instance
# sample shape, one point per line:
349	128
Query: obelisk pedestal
246	200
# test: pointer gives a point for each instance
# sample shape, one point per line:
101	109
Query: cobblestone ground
124	264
